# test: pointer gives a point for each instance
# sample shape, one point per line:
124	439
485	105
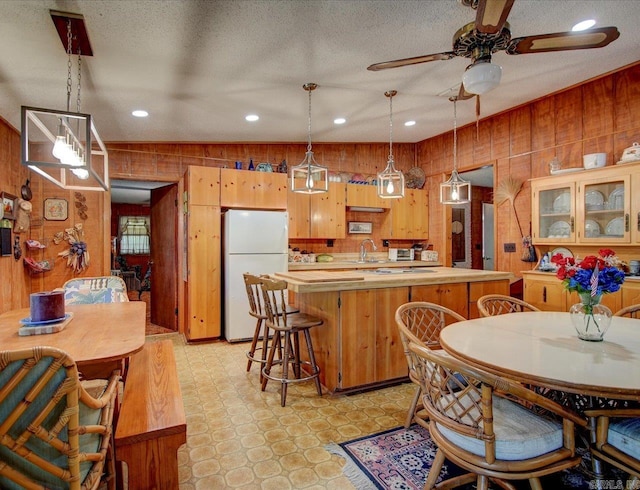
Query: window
134	235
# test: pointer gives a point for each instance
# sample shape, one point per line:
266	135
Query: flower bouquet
590	277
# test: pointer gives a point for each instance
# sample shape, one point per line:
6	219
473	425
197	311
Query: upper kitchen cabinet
592	207
318	215
366	196
203	185
252	190
410	216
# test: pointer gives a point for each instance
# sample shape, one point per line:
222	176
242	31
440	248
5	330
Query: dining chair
92	290
632	311
256	309
478	422
53	432
499	304
286	333
421	322
617	439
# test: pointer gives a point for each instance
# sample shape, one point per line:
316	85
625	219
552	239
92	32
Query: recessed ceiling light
339	120
252	117
584	25
410	123
139	113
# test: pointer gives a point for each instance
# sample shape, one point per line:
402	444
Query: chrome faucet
363	251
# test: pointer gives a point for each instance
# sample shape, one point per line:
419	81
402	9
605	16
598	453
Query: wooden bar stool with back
286	334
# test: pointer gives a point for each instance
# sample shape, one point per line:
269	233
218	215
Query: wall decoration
8	205
81	205
23	215
5	242
77	255
360	227
56	209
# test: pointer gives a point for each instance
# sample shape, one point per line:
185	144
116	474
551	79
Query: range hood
364	209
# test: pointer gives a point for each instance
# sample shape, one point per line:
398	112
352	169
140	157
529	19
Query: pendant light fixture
309	177
77	158
455	190
390	180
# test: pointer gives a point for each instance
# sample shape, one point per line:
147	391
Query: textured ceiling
199	67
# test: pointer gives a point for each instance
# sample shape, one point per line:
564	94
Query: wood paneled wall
601	115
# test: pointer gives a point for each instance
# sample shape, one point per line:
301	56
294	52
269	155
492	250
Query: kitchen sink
364	261
399	270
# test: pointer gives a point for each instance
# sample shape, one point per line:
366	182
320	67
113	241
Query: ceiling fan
491	32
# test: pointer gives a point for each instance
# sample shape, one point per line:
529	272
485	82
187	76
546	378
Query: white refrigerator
254	242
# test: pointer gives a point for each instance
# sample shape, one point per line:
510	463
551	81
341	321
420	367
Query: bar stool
256	310
287	328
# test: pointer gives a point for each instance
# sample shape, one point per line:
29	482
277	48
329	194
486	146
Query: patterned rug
400	459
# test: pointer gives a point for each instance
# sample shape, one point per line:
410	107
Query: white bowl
594	160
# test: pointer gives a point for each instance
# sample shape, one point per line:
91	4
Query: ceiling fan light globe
480	78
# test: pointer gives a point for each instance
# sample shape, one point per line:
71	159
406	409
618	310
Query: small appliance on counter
401	254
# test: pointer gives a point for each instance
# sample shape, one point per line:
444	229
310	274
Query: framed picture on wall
360	227
56	209
8	206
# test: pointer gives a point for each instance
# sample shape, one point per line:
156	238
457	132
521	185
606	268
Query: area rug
400	459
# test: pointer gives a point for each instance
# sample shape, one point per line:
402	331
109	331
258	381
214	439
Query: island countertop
321	281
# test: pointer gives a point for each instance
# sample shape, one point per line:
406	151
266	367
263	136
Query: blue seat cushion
624	434
520	433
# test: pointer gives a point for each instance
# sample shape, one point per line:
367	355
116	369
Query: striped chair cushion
520	434
624	434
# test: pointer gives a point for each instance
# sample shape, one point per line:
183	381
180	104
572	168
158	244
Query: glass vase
590	319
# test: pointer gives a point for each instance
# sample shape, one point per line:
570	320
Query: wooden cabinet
479	289
371	347
546	292
203	263
410	216
318	215
454	296
252	190
592	207
366	196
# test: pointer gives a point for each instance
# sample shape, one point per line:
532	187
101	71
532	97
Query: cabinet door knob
544	294
626	222
572	224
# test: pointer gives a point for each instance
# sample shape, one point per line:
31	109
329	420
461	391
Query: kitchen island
358	346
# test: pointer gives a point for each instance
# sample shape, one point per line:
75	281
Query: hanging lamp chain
390	94
69	81
79	79
455	136
309	128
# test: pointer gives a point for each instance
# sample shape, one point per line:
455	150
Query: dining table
98	337
542	348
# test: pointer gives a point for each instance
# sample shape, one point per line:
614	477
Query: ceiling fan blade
411	61
462	94
491	15
563	41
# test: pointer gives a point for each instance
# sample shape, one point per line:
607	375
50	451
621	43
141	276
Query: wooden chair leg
254	343
312	358
267	367
286	358
412	408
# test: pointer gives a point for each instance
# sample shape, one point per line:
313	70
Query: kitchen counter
383	277
358	345
354	264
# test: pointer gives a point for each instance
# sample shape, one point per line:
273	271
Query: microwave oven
398	254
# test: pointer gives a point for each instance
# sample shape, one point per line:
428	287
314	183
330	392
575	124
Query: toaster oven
400	254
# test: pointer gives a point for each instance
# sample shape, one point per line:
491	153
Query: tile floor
240	437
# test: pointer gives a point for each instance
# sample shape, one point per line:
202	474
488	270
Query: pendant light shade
481	77
390	180
455	190
309	177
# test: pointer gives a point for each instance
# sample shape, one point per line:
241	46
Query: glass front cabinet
591	207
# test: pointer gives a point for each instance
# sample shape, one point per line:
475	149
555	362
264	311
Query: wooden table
98	336
542	348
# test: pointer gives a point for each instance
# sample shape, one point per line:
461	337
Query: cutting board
320	276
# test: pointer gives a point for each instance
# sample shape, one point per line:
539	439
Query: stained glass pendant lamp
309	177
390	180
455	190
